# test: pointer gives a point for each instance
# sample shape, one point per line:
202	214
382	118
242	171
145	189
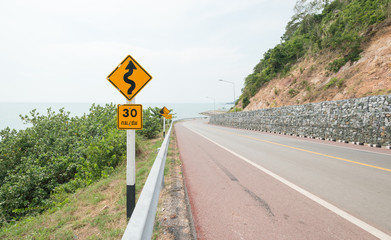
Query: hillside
324	71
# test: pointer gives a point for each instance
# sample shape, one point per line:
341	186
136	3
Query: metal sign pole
130	169
164	127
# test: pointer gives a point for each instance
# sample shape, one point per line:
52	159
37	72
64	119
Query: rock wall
362	120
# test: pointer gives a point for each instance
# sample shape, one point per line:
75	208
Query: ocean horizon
10	111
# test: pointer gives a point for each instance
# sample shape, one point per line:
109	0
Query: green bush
245	102
335	65
353	56
58	155
152	123
335	82
292	92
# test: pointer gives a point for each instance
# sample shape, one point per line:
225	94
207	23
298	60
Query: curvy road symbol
130	67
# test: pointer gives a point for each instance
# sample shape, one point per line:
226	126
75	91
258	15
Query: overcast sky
62	51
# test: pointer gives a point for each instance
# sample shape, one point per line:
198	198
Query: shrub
292	92
152	123
335	82
335	65
245	102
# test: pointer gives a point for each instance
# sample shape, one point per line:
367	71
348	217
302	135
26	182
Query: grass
173	160
292	92
335	82
95	212
157	229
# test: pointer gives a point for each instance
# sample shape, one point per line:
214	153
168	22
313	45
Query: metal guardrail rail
141	223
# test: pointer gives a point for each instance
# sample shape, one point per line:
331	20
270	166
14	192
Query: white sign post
130	169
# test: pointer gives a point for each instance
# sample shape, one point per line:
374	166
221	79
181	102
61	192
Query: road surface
252	185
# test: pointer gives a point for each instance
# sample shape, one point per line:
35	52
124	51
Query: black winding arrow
130	67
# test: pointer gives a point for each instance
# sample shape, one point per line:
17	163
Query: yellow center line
308	151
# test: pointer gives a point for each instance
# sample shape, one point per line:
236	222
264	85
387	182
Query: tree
303	12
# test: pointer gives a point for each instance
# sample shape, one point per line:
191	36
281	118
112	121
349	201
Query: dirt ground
174	220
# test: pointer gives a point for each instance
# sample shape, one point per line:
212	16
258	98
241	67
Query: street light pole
214	103
233	87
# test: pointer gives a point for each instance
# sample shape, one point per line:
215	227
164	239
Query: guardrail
141	223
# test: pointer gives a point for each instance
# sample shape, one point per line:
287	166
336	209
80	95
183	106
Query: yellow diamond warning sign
129	77
164	111
130	116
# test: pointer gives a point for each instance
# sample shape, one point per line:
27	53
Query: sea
10	112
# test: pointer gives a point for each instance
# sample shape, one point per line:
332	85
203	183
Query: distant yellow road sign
168	116
130	116
164	111
129	77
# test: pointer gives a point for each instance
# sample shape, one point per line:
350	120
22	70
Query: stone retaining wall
362	120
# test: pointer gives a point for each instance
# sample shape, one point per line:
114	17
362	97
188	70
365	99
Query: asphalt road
251	185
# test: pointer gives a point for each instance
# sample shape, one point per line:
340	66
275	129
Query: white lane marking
304	140
370	229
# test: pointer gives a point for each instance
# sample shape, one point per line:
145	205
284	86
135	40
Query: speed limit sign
130	116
